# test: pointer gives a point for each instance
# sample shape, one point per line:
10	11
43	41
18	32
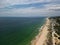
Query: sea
19	30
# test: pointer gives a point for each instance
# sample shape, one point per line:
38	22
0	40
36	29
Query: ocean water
19	30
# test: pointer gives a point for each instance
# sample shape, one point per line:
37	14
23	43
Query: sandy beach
41	38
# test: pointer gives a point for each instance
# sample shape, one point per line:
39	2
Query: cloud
53	7
56	1
32	11
4	3
29	7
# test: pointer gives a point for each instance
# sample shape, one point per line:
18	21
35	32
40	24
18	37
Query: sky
29	8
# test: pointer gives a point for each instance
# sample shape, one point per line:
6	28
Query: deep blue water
19	30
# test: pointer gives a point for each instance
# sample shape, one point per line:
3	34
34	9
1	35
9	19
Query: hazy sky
29	8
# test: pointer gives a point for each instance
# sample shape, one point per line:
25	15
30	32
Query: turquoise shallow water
19	30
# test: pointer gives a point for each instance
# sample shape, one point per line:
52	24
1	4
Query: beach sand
41	38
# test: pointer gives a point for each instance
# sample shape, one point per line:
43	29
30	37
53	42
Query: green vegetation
57	25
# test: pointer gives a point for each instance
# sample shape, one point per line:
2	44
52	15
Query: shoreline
41	38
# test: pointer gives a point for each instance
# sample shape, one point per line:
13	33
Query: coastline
41	38
37	36
49	33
